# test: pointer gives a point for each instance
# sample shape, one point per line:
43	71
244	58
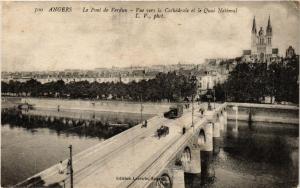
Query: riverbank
287	114
90	105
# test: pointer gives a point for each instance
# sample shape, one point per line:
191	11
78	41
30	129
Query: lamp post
214	98
209	105
141	109
193	81
225	93
193	112
273	87
71	166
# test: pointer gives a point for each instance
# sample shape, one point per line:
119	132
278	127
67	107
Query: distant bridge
138	158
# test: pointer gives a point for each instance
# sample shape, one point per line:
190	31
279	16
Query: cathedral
261	45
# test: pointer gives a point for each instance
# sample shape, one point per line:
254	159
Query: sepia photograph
150	94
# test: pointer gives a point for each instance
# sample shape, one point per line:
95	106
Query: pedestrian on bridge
61	168
69	167
201	111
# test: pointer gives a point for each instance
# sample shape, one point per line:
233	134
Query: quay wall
102	105
285	114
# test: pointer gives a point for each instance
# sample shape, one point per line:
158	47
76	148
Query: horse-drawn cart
163	130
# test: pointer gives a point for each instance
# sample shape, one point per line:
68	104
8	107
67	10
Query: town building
290	52
290	56
207	80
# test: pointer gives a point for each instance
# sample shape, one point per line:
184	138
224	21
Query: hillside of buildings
101	83
225	79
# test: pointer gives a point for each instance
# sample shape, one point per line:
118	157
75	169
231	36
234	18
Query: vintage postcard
166	94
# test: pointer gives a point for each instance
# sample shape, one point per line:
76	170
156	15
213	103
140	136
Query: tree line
247	82
252	82
165	86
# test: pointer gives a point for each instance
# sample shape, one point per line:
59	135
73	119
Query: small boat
25	106
118	125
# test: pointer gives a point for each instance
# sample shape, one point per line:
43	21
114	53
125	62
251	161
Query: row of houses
205	79
68	79
124	72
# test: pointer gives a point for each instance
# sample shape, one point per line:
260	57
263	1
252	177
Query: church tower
269	39
261	45
253	38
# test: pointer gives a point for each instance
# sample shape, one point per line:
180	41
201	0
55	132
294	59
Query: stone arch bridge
138	158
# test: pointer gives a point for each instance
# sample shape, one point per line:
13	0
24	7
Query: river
260	155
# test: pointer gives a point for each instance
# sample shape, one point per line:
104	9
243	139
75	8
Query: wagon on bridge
163	130
174	112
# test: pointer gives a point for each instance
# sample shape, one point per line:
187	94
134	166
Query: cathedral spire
269	27
254	26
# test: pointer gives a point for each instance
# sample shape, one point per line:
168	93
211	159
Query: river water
260	155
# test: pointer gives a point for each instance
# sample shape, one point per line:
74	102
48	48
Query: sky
56	41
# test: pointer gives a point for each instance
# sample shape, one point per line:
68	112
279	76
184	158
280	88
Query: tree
220	92
32	87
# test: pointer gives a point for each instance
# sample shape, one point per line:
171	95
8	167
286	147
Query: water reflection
216	145
102	128
253	157
259	148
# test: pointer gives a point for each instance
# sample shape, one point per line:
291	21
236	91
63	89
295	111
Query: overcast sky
77	40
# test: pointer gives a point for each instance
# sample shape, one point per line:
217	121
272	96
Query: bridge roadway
125	155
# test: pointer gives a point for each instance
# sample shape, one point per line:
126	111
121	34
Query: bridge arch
201	138
186	155
164	181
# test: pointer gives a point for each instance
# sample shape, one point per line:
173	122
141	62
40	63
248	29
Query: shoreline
288	114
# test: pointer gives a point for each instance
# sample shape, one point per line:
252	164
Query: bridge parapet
213	115
166	159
